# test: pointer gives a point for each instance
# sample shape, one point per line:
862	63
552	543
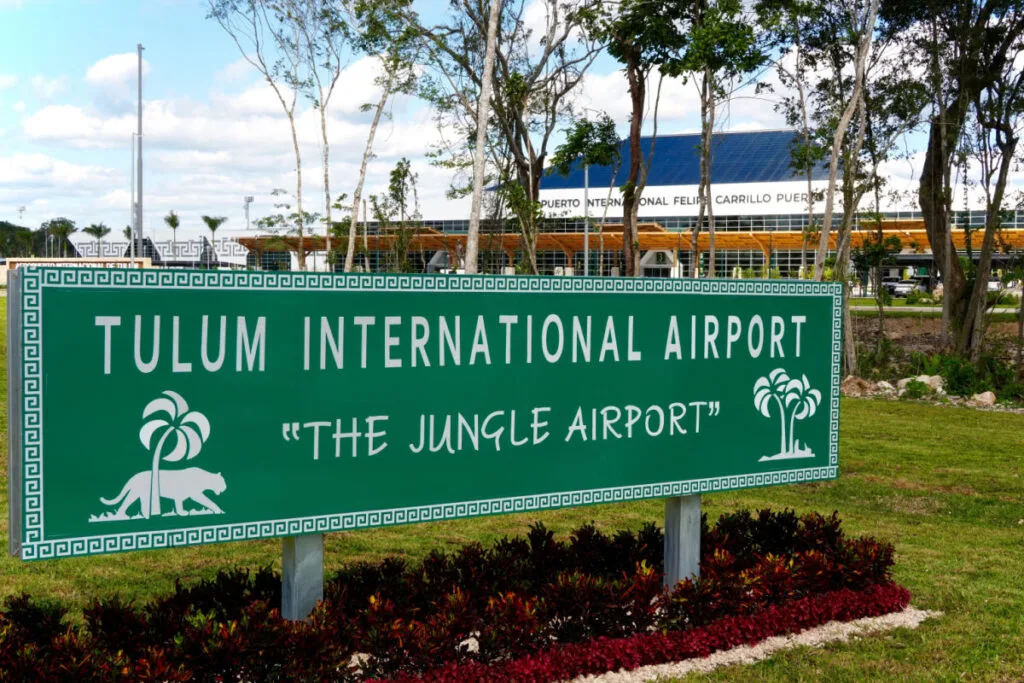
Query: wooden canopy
652	236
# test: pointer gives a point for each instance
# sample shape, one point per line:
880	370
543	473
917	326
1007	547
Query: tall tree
97	231
787	25
324	27
967	46
722	48
588	143
862	18
212	224
387	30
172	221
60	229
271	42
533	77
993	135
641	36
483	112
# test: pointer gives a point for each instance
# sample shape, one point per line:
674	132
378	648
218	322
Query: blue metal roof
749	157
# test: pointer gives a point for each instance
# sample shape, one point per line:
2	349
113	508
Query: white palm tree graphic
795	399
190	430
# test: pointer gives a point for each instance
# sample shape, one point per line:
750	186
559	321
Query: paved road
920	309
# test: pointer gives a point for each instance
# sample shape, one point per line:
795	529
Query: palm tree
190	428
173	222
803	402
127	232
213	222
61	229
767	388
99	231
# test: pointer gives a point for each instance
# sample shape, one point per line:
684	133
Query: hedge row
565	662
514	599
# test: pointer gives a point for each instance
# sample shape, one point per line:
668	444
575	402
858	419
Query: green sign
162	408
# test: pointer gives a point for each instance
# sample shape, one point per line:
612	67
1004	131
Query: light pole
138	211
247	203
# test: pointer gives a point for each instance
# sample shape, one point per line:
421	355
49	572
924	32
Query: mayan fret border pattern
35	279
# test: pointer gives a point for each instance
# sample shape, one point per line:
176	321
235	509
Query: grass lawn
870	301
943	484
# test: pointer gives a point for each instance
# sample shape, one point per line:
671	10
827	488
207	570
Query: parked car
905	287
994	284
890	283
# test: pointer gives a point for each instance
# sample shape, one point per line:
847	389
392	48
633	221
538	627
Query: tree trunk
483	108
851	200
707	131
807	160
298	190
934	201
327	184
971	333
367	153
1020	337
863	48
637	95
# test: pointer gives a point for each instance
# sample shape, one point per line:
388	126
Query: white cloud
238	70
115	70
8	81
609	93
48	88
40	171
18	106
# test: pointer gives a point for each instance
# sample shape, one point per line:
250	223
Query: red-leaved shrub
516	599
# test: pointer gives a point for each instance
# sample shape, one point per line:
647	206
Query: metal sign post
302	575
682	539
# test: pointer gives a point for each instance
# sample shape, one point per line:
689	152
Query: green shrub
1002	299
923	364
1014	392
962	377
917	390
916	298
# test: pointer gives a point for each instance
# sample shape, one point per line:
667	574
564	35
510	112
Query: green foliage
965	378
61	229
97	231
874	252
592	143
1002	299
213	223
721	40
286	220
917	390
915	297
15	240
886	360
172	220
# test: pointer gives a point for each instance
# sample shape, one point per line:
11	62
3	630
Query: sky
214	132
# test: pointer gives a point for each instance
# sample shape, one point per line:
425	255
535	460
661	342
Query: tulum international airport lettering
724	199
222	343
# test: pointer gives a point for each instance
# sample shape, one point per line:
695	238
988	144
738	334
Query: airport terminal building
759	203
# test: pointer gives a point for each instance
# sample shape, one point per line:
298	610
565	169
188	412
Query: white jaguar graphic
177	485
172	433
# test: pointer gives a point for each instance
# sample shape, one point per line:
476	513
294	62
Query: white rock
984	400
885	388
937	383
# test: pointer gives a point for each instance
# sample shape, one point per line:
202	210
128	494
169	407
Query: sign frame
25	374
